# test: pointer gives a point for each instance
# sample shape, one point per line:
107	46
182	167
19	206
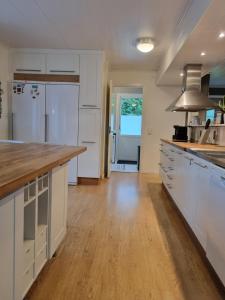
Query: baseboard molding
199	247
88	181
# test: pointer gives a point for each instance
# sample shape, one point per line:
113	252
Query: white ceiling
111	25
203	38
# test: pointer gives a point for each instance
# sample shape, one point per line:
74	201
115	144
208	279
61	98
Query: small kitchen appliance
180	134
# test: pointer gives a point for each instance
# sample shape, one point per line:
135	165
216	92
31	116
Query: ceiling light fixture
145	45
221	35
203	53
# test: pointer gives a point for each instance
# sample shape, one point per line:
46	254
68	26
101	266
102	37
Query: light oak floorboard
125	241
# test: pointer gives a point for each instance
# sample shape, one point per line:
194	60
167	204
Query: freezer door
28	112
62	119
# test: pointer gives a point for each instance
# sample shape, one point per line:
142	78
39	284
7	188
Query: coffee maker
180	134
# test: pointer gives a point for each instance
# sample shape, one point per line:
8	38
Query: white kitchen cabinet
7	248
63	63
25	62
19	245
187	202
58	207
90	81
215	248
200	196
89	136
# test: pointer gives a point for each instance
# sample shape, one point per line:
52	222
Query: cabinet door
90	81
200	194
19	244
62	63
89	136
215	249
6	247
58	208
28	62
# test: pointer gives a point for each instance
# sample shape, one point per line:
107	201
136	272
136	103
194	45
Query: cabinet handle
89	105
28	70
171	159
190	159
179	153
61	71
200	165
27	251
46	127
12	124
171	169
169	186
88	142
170	177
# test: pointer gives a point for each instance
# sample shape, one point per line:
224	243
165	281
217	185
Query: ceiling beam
191	17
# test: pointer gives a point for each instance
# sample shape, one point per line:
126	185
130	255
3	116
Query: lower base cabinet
32	225
58	204
198	189
6	247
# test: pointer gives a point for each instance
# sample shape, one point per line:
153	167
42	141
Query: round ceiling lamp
145	45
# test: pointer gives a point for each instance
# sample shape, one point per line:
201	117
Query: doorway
126	128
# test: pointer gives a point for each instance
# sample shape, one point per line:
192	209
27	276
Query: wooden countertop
185	145
21	163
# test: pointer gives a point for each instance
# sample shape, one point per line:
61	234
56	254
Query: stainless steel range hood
192	99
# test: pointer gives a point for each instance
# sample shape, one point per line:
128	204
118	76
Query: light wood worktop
21	163
185	145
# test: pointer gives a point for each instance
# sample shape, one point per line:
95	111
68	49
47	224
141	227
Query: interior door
28	112
62	119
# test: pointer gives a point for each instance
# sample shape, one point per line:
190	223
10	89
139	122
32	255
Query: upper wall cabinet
90	80
28	62
61	63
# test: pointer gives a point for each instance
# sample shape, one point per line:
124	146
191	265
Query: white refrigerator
46	113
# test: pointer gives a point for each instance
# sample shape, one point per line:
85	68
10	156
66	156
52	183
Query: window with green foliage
131	106
130	115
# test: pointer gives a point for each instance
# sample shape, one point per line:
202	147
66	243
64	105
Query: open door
109	133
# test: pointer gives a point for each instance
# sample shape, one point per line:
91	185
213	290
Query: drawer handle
89	105
61	71
200	165
27	251
28	70
170	177
171	159
88	142
172	151
179	153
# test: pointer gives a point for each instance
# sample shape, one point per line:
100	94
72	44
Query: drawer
28	253
40	260
28	278
41	237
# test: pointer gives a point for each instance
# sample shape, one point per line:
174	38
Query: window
210	114
130	115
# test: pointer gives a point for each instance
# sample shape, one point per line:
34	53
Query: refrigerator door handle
12	121
46	128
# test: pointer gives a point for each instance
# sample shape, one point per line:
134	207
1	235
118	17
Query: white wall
4	78
157	123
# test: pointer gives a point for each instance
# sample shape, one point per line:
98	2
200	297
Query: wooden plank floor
125	241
